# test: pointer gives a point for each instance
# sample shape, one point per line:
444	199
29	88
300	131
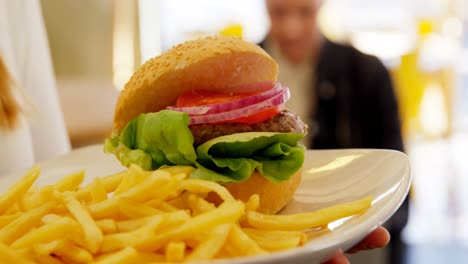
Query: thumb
337	258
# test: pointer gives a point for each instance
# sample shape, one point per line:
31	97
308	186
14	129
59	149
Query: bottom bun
273	196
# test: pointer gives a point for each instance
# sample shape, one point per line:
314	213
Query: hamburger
213	103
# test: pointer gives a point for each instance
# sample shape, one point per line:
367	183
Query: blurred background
97	44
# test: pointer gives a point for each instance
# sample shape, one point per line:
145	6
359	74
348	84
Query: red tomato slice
257	117
198	98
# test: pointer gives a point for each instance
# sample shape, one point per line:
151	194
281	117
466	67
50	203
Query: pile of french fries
137	216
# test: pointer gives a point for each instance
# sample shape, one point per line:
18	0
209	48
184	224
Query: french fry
8	255
125	256
201	186
76	234
106	209
84	195
18	189
48	248
179	170
306	221
161	205
211	245
134	176
227	212
175	252
139	193
110	183
180	176
175	219
6	219
199	205
38	198
93	234
70	182
178	202
165	190
136	210
223	254
253	203
194	241
171	219
276	240
316	233
125	183
23	223
98	191
118	241
107	226
27	253
31	195
50	218
146	257
60	209
46	259
15	208
45	233
71	253
240	244
132	224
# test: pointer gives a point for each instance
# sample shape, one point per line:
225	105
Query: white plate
330	177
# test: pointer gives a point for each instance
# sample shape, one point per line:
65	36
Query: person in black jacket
346	97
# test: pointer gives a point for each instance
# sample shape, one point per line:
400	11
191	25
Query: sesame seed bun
273	196
212	64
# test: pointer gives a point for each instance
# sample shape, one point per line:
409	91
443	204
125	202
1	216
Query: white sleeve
15	150
48	132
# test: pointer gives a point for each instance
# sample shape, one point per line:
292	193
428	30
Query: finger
337	258
377	239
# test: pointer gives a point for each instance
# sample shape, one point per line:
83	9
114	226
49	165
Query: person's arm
48	131
378	238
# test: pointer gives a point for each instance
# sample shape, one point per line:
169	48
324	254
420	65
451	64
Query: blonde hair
10	108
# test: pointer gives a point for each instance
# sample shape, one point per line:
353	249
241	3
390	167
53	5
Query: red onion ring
231	105
275	100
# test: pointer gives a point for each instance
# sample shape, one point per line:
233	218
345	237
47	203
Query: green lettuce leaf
233	158
153	140
163	136
128	156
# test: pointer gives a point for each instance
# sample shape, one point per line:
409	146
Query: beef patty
284	122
